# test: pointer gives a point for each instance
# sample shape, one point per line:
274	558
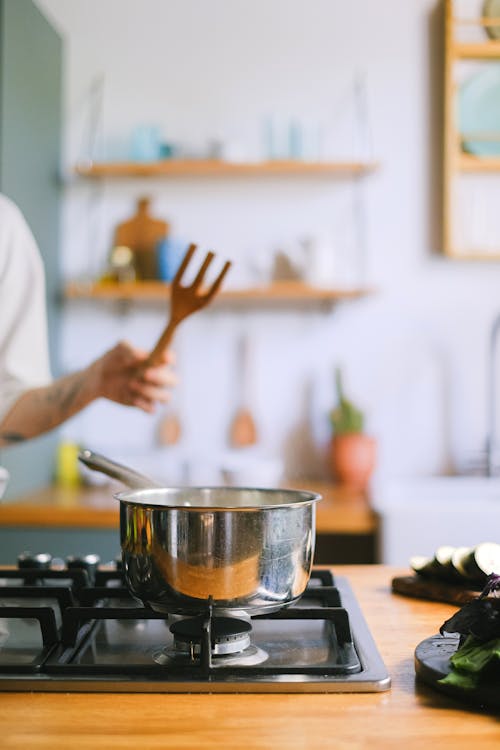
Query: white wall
414	353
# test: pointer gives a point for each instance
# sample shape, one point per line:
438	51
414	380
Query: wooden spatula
243	431
186	300
170	426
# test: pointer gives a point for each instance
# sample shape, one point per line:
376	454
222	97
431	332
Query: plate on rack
491	9
479	112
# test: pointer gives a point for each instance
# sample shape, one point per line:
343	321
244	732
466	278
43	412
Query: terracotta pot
353	459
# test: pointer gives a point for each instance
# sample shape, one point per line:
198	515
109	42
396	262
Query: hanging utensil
186	300
243	431
169	427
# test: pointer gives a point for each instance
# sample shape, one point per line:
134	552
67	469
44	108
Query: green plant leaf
345	418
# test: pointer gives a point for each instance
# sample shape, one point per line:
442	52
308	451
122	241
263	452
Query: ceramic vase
353	458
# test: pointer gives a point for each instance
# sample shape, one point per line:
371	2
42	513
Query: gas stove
73	626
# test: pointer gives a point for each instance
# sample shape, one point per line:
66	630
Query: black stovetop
75	627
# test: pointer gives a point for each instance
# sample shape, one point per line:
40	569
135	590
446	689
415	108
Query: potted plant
352	451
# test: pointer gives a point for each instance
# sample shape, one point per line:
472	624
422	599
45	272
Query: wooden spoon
169	427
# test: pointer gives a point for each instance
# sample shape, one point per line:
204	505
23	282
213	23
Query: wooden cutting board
141	234
433	590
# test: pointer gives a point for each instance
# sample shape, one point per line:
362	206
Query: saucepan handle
112	469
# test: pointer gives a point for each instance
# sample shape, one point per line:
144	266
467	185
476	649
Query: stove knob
41	561
85	562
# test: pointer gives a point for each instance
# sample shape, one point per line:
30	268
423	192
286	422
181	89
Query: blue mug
169	254
145	145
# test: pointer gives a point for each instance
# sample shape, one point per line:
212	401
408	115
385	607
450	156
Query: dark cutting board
434	590
432	663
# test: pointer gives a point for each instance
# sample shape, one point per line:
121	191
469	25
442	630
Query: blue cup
145	145
169	254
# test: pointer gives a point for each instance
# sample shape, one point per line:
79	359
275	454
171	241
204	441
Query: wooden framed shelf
471	163
456	161
478	50
218	168
477	255
281	292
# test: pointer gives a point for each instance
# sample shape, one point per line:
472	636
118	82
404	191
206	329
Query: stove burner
249	657
229	635
229	639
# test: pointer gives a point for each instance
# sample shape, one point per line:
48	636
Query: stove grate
99	637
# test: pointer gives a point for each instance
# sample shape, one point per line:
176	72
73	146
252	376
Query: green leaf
461	680
472	663
345	418
474	656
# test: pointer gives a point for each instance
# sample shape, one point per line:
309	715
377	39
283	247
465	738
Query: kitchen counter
347	526
342	511
409	715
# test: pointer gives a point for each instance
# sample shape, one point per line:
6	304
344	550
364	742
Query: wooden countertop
410	715
341	511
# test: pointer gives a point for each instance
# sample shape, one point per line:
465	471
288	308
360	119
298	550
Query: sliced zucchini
482	560
443	555
460	554
443	563
422	565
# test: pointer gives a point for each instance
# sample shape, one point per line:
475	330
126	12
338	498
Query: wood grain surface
408	716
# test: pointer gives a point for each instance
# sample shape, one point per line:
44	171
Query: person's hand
121	375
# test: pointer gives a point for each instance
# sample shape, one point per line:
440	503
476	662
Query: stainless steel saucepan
247	551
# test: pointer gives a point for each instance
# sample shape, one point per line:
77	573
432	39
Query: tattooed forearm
73	392
11	437
42	409
120	375
64	394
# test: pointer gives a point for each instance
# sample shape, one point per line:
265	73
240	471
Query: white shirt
24	358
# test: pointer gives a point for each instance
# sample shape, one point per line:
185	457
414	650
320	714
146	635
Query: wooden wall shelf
217	168
158	291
